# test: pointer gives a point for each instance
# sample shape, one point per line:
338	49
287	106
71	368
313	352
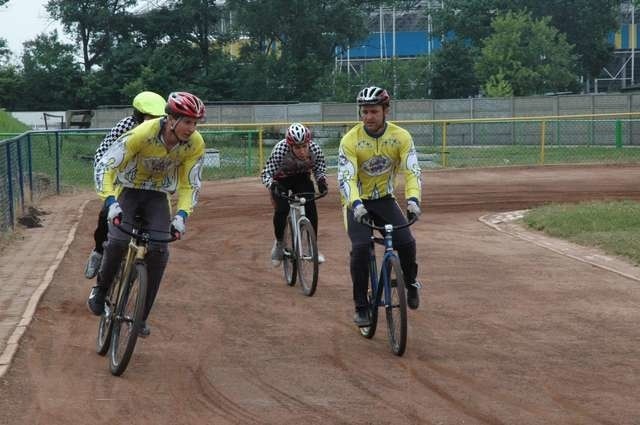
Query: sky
23	20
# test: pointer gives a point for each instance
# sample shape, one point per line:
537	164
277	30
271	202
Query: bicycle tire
128	317
308	258
396	307
105	326
373	299
289	262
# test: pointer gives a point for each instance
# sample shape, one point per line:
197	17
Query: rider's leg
156	213
359	266
114	250
280	213
100	237
100	234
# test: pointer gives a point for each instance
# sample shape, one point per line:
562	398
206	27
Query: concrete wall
428	109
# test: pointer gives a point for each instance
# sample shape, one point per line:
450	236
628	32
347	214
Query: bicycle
300	246
384	290
125	301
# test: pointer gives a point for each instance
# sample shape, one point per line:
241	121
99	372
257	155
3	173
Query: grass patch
612	226
10	125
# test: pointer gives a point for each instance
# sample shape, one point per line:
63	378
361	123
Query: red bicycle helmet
298	134
185	104
373	96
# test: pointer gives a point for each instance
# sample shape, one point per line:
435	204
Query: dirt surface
508	332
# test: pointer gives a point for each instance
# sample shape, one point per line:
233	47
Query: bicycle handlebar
371	225
139	235
309	196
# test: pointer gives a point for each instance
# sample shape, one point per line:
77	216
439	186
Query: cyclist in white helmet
289	167
146	105
370	156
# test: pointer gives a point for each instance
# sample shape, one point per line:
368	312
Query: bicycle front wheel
289	263
128	319
308	258
106	319
396	305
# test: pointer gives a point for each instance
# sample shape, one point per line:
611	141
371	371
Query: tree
5	52
96	25
453	73
530	54
586	23
51	73
300	36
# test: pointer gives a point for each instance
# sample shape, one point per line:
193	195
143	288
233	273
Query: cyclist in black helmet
370	156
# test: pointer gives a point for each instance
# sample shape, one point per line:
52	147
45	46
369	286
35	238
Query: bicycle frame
297	213
383	293
373	269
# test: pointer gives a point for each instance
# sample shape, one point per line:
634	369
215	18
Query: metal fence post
444	144
30	166
20	177
618	133
57	163
10	187
543	127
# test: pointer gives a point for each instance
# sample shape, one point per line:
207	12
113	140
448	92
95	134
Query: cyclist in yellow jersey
147	105
150	162
370	156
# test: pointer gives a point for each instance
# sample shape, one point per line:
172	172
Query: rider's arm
114	159
319	165
189	175
273	163
118	130
348	170
411	168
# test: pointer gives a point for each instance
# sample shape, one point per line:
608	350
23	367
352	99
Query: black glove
322	185
275	188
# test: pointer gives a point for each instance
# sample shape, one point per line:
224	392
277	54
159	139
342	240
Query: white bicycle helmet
373	96
298	134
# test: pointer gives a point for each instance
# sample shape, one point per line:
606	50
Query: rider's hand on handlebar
322	185
178	226
360	213
114	215
275	188
413	209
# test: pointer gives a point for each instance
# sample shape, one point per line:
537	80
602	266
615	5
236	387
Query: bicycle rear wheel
308	258
289	263
396	306
128	319
105	325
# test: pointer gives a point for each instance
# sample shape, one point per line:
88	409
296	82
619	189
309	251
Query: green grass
612	226
10	125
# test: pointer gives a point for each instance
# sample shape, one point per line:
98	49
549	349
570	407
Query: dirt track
507	333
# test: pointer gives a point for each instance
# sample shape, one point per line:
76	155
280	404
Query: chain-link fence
39	163
483	142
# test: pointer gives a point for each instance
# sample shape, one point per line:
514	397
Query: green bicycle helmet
149	103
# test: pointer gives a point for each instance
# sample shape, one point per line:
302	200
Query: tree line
285	50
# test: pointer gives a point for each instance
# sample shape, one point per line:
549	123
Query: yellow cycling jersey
139	159
368	166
